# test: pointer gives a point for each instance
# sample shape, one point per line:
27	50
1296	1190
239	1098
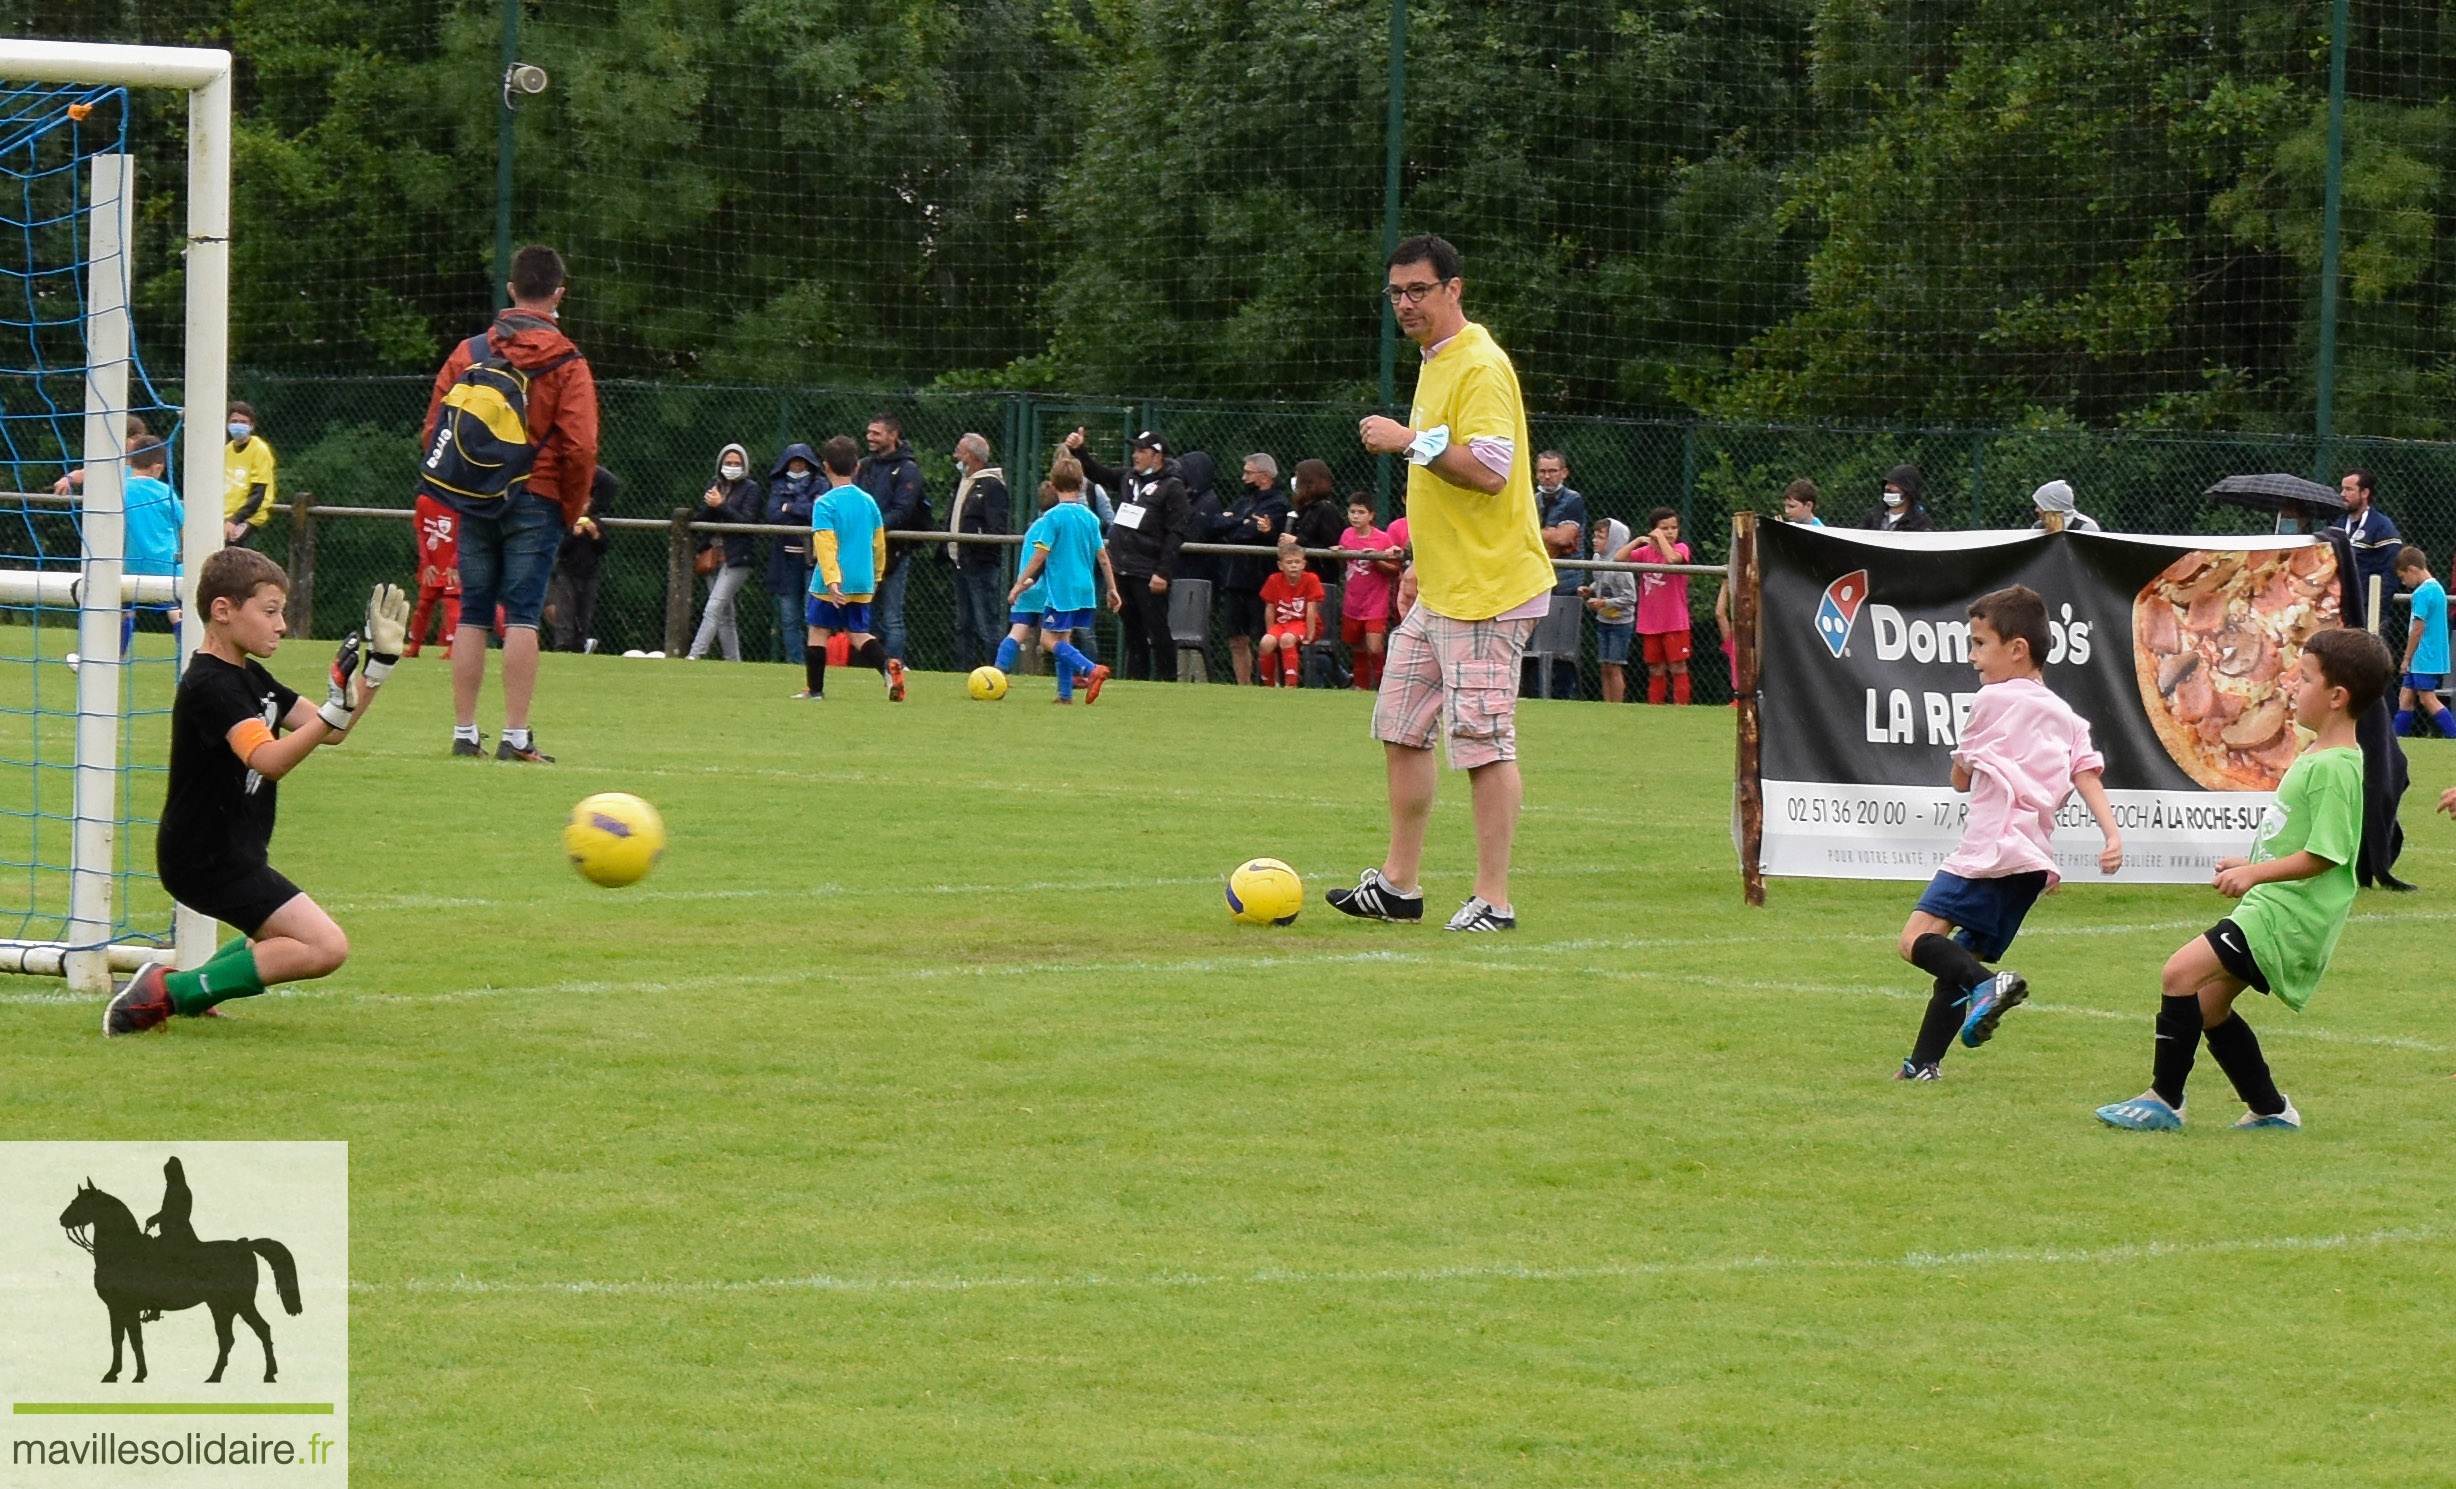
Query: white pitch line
1916	1261
1482	955
888	891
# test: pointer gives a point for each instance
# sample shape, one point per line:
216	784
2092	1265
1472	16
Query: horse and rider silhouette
141	1277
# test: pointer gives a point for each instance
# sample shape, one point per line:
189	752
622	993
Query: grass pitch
925	1121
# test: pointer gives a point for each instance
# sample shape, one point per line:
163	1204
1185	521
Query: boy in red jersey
438	571
1292	615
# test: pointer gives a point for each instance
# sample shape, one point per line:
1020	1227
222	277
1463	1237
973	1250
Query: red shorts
1354	628
1667	646
1294	632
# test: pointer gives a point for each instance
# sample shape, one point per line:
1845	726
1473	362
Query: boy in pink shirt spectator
1663	607
2021	753
1364	602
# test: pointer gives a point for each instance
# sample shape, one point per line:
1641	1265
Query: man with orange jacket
508	541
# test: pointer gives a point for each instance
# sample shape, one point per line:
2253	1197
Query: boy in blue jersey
1023	613
848	543
154	516
1065	545
2426	650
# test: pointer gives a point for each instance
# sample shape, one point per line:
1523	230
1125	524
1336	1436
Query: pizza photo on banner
2177	651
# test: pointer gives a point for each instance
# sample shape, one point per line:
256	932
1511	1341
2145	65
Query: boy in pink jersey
1663	623
1364	600
2021	753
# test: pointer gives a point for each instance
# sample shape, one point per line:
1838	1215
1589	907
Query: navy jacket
894	482
788	502
1244	526
1205	522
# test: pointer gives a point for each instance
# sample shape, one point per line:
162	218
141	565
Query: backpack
482	448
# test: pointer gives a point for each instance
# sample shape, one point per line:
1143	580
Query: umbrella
2278	493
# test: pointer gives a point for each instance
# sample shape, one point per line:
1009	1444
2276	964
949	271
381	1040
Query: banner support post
1749	772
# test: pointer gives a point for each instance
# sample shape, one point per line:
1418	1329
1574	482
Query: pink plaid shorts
1457	679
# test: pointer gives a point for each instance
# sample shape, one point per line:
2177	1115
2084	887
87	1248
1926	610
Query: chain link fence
350	442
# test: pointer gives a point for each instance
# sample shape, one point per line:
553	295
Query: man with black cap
1144	541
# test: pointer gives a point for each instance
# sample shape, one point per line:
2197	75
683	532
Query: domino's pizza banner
2176	653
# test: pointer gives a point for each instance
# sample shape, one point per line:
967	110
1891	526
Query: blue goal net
51	137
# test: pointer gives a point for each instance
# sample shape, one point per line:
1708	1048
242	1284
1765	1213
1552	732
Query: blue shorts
2422	682
507	558
1612	642
1068	620
1023	617
1986	913
827	615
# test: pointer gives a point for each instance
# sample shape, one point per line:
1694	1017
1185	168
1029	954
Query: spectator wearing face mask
248	483
1898	509
732	497
793	484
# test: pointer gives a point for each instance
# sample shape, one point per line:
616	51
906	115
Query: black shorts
1243	610
245	899
2233	950
1986	913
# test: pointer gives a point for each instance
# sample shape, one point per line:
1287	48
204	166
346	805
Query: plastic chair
1556	639
1325	645
1189	625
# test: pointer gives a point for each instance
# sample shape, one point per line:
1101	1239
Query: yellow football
614	839
1264	891
986	683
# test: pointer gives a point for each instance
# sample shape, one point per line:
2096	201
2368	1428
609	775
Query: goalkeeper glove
338	709
387	631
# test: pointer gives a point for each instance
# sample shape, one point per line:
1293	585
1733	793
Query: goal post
86	956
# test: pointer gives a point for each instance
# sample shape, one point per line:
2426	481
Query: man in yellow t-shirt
247	479
1480	579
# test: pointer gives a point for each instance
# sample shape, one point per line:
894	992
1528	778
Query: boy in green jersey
2295	890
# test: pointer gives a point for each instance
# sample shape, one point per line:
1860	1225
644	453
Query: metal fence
351	442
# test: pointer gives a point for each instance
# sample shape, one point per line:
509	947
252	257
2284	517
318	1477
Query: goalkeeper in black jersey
235	731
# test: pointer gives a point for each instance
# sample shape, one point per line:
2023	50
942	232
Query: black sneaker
141	1003
506	750
475	748
1376	898
1919	1070
1478	914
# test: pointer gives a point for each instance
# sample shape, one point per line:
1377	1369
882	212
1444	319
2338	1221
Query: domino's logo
1838	612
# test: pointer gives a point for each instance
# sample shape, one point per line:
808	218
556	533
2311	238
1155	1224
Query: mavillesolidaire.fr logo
179	1312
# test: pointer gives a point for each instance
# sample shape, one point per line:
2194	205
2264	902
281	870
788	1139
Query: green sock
231	973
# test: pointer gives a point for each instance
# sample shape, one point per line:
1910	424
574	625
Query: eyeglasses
1413	294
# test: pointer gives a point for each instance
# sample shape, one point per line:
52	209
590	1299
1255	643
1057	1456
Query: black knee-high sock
2178	1043
1947	960
2237	1052
873	655
1941	1022
814	666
